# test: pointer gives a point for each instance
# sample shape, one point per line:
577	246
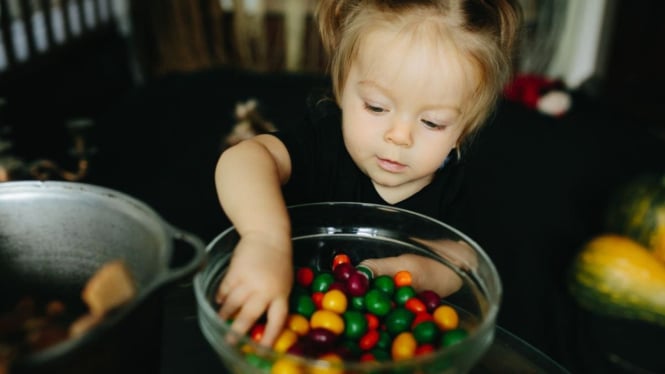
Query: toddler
412	81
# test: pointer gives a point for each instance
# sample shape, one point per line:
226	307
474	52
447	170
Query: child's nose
399	133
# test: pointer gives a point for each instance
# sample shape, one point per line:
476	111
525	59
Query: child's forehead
417	56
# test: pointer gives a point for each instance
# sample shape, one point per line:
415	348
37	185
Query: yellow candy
327	320
404	346
286	366
446	317
334	301
332	358
285	340
298	324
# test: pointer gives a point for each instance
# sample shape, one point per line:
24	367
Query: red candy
340	259
369	340
305	276
431	299
317	297
357	284
328	331
343	271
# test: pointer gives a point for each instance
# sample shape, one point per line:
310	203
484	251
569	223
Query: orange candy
402	278
340	259
298	324
404	346
446	317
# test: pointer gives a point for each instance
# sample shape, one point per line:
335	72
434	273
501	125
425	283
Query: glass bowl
362	231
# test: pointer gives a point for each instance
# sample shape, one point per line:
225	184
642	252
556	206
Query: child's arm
248	178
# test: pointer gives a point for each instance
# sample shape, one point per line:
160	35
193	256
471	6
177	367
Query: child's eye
374	109
432	125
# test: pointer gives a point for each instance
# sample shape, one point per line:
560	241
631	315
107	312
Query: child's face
401	106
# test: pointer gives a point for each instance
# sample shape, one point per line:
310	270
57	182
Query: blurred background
96	49
142	95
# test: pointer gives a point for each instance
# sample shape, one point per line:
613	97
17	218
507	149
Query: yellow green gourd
616	276
637	210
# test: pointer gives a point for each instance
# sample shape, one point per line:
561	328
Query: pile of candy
347	314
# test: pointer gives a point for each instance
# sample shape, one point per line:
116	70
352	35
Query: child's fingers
222	293
252	309
277	314
233	303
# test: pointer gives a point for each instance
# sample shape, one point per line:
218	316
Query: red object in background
529	88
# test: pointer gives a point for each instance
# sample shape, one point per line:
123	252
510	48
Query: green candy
403	294
258	362
385	340
453	337
303	305
399	320
355	324
384	283
426	332
358	303
322	282
381	354
377	302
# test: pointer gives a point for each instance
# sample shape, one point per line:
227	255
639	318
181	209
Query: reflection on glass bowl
364	231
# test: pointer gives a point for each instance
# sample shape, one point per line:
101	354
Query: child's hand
429	274
259	281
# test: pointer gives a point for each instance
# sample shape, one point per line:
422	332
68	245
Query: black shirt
323	171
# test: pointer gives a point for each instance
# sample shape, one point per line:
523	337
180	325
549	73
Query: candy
384	283
402	278
347	313
357	284
426	332
430	299
334	301
340	259
322	282
446	317
298	324
404	346
453	337
377	302
285	340
398	320
327	320
343	271
403	294
356	324
415	305
304	276
369	340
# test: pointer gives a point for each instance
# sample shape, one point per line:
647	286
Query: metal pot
55	235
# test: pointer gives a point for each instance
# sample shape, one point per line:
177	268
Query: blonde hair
484	32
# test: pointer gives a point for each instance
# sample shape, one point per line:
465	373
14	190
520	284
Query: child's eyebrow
371	83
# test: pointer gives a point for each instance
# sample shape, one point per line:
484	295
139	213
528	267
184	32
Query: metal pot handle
196	260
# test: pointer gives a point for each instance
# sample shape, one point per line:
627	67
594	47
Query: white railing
31	28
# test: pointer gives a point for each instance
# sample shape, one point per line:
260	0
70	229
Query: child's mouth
390	165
